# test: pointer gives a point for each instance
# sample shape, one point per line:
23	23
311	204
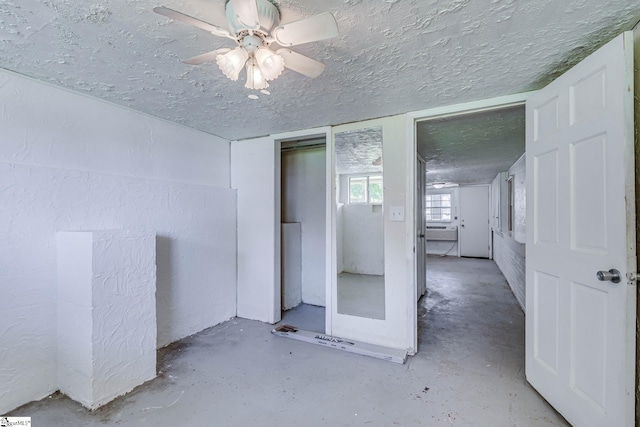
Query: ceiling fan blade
178	16
317	27
247	13
301	64
205	57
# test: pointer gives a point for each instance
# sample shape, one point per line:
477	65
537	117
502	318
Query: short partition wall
106	340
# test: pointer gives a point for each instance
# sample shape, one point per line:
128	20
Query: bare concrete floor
469	371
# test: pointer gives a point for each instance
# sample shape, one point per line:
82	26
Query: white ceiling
471	148
392	56
359	151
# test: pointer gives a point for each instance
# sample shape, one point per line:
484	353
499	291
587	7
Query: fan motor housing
267	11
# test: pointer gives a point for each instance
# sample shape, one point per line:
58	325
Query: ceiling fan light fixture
255	78
254	25
271	64
232	62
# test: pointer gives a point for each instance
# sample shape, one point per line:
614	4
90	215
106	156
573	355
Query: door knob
612	276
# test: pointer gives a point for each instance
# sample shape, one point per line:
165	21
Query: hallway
469	371
472	326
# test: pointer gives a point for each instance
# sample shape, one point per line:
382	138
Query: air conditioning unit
437	232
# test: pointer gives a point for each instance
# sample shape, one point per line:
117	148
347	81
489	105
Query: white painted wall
509	255
303	200
362	239
436	247
518	170
70	162
255	173
509	248
360	233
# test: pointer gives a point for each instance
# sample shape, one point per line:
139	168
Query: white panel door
474	221
420	220
580	331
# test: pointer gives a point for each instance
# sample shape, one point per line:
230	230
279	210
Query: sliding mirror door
360	223
371	292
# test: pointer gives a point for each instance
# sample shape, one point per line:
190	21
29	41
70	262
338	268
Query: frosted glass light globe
232	62
255	78
271	64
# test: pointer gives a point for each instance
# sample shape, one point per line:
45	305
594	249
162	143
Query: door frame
277	139
412	149
421	249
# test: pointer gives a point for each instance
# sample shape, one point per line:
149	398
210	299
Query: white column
106	339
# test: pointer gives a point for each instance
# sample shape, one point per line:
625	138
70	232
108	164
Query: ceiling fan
255	26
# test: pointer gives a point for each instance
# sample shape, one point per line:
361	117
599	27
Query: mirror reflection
360	223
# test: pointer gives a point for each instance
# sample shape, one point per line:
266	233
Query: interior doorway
303	240
465	151
464	154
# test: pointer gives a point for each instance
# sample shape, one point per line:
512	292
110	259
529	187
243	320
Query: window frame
450	207
366	190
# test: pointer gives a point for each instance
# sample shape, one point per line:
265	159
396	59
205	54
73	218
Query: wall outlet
396	213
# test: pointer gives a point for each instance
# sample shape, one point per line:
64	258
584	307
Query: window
365	189
375	189
438	207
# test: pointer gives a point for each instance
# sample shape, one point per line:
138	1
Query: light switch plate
396	213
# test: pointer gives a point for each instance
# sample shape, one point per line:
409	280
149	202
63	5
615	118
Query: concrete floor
361	295
469	371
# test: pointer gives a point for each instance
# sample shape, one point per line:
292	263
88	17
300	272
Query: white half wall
70	162
106	281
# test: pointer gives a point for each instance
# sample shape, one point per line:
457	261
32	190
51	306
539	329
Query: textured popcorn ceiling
471	148
359	151
391	56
